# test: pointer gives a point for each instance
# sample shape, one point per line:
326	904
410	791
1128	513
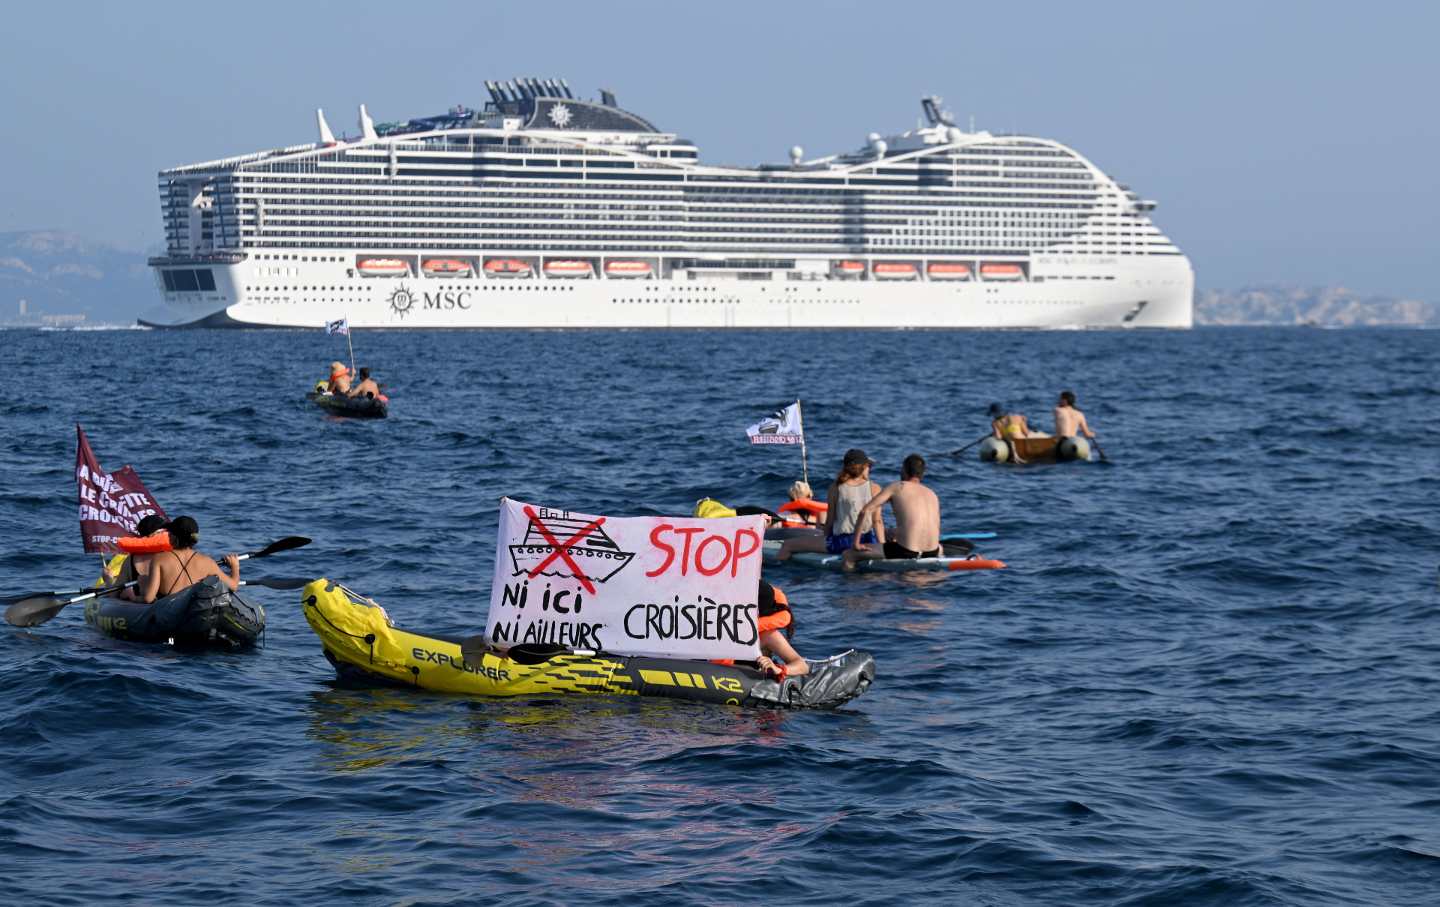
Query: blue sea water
1210	675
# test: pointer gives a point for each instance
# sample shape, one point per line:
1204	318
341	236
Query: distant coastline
65	280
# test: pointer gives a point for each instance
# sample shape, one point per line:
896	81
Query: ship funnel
326	136
367	125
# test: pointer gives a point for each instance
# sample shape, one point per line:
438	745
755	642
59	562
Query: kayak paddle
279	582
1098	449
959	450
30	612
952	536
285	544
35	610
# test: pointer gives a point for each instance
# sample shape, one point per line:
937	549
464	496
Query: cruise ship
543	210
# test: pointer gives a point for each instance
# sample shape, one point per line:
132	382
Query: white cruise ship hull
1068	294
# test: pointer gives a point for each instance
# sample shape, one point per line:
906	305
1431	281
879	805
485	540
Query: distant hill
64	274
1326	307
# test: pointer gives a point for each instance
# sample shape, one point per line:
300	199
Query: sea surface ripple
1211	674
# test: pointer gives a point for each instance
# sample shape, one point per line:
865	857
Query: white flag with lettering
782	428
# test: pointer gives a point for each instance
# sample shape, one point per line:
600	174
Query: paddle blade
278	582
286	544
12	599
30	612
957	547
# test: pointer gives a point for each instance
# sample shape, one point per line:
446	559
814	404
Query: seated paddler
182	566
777	625
367	386
339	379
134	566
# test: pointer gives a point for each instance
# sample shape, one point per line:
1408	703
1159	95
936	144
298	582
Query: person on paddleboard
367	386
339	379
182	566
849	493
917	518
1070	421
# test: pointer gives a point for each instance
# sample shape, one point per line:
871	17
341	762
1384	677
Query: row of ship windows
698	185
948	213
382	198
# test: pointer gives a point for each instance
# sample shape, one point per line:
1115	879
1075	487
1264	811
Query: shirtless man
183	566
339	379
917	518
366	387
1069	421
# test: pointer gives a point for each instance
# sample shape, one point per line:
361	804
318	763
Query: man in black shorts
917	517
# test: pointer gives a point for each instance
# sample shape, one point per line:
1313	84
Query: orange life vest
150	544
808	505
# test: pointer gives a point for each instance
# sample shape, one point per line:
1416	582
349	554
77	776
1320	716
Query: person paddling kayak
135	567
339	379
182	566
1070	421
367	386
776	626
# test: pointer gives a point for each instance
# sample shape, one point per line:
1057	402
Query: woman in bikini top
183	566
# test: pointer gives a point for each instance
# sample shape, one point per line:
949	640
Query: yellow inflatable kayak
366	647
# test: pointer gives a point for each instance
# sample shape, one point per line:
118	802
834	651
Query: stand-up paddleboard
880	565
790	532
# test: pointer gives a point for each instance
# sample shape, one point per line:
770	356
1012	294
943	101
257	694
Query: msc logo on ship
403	300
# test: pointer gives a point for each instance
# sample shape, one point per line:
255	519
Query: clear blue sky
1286	142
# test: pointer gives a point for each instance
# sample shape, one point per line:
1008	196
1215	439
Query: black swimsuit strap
185	566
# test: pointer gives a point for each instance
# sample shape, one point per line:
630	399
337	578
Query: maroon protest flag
111	503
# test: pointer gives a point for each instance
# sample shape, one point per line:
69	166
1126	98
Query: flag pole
350	344
804	458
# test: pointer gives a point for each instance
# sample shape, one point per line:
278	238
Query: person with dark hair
845	519
1007	425
776	626
367	386
182	566
134	567
1070	421
917	518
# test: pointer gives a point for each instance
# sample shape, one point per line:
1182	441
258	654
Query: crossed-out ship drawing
564	547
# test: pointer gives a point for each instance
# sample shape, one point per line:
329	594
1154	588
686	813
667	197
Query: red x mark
562	548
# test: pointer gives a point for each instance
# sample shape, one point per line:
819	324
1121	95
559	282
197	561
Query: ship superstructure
546	210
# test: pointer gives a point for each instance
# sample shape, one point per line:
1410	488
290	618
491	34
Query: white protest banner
669	586
782	428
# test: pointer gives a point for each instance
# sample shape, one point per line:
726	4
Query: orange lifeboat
894	270
507	267
569	268
383	267
992	270
850	268
627	269
445	267
947	270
